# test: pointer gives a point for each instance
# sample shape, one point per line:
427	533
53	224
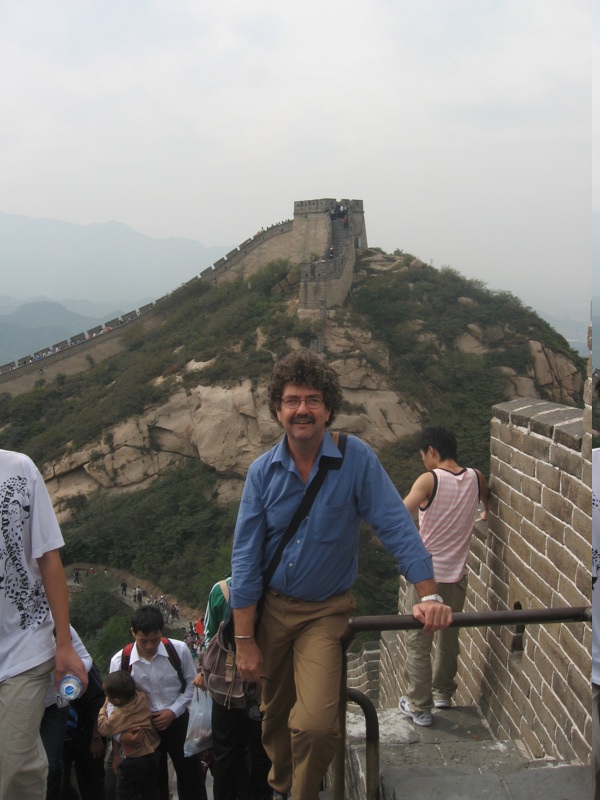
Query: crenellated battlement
304	240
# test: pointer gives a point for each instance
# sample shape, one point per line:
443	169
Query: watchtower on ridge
333	230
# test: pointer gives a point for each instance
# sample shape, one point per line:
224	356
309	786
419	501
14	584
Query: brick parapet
533	553
532	685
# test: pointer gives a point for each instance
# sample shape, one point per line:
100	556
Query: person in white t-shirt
596	614
447	497
33	601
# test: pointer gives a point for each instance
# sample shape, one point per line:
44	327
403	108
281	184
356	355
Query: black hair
305	368
147	619
119	685
441	439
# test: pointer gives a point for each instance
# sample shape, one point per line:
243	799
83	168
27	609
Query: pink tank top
446	523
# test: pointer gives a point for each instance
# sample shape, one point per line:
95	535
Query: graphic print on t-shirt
28	599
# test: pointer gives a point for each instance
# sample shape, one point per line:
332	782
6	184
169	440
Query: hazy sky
464	125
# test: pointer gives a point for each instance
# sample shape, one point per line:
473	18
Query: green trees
172	533
100	618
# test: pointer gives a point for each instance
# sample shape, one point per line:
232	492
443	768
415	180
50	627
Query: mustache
303	418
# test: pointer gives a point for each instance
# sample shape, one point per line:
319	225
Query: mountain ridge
38	325
64	259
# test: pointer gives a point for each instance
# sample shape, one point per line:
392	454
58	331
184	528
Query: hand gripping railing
395	622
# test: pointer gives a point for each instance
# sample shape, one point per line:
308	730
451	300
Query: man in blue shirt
297	655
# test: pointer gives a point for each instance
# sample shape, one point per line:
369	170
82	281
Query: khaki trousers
23	762
300	644
424	684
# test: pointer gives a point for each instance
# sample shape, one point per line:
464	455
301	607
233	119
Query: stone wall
330	283
300	240
532	685
363	671
325	283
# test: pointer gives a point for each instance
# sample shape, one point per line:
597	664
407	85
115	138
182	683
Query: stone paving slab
457	758
562	782
449	783
501	757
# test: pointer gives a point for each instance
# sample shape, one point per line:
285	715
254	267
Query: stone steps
457	758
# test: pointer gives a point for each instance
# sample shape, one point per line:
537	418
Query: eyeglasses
294	402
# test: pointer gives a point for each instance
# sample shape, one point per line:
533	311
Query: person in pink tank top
447	498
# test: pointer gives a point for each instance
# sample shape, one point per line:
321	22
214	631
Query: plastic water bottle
68	689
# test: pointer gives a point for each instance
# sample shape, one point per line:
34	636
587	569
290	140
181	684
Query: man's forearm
426	587
243	621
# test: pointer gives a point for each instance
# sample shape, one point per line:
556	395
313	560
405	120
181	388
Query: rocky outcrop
228	427
555	374
550	375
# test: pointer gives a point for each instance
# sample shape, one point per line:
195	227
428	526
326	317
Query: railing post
372	741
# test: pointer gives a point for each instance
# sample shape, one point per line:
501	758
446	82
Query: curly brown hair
305	368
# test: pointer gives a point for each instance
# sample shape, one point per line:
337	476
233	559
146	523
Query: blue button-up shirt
321	560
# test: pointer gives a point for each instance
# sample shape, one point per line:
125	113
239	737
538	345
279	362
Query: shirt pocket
332	524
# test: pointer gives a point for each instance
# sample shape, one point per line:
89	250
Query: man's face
302	413
147	643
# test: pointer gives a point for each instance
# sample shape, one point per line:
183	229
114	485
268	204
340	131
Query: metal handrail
393	622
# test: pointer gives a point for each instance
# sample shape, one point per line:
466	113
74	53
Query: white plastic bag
199	731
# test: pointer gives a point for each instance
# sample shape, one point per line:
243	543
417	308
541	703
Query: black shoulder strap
175	660
325	463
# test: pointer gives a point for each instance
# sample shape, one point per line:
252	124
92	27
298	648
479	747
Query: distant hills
111	269
574	331
35	325
108	262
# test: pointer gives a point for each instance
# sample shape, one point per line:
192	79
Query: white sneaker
422	718
443	702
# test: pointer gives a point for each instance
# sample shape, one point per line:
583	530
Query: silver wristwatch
437	597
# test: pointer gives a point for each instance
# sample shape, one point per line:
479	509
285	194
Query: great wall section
522	726
322	238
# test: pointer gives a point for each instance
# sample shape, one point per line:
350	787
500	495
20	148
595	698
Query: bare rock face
518	385
555	373
231	427
469	343
227	428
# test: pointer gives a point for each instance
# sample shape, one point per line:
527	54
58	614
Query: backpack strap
126	657
175	660
171	653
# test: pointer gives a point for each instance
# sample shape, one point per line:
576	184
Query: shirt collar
135	656
327	448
